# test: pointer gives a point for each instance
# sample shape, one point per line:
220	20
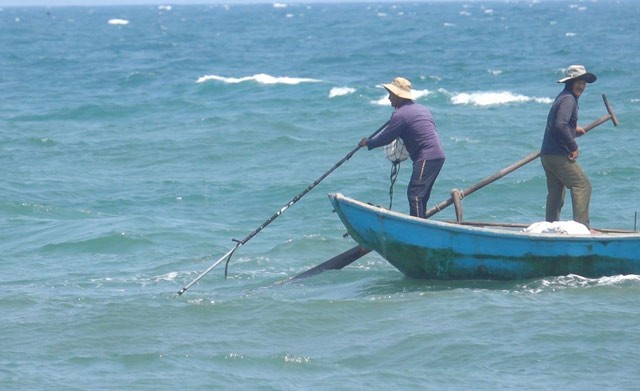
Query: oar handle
609	116
597	122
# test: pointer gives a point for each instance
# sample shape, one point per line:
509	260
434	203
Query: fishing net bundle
396	152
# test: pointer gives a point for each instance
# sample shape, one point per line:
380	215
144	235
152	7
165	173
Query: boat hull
429	249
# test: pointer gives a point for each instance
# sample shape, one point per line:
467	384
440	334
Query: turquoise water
137	142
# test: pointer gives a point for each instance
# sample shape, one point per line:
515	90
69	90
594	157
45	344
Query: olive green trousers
564	173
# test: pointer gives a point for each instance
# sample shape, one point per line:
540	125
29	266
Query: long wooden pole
227	256
348	257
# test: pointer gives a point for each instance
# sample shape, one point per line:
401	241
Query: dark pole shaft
308	189
295	199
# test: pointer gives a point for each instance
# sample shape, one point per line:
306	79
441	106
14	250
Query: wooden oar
227	256
348	257
336	262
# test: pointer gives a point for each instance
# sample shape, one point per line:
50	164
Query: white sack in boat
558	227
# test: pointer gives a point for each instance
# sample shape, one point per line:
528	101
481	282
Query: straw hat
400	87
578	72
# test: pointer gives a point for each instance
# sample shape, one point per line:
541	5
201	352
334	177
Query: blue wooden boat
430	249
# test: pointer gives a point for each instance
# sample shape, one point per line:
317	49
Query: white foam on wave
279	5
164	7
120	22
467	140
578	7
494	98
171	276
384	101
260	78
574	280
341	91
417	94
420	93
619	279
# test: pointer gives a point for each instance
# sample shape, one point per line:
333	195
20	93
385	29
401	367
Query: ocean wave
171	276
118	22
341	91
421	93
576	281
260	78
113	243
467	140
384	101
494	98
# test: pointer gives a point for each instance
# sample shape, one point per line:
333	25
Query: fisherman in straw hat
559	149
414	125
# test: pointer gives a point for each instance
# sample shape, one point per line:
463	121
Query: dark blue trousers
423	177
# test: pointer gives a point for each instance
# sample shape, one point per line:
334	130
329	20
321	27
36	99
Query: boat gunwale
489	229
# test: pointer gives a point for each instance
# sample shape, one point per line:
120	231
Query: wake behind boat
430	249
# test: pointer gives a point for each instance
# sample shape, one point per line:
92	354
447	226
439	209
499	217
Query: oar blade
338	262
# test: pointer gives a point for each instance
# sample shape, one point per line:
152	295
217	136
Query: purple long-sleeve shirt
560	133
414	124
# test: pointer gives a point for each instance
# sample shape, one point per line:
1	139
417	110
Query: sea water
136	143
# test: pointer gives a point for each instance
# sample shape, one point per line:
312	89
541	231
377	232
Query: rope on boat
395	170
